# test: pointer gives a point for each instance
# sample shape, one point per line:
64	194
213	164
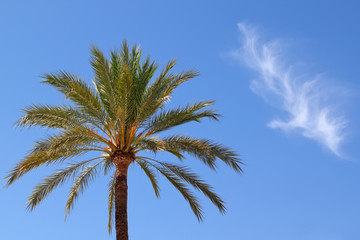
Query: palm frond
89	121
59	117
108	165
106	78
228	156
159	92
118	84
74	88
39	158
141	78
76	137
42	190
151	175
154	145
185	174
111	205
146	72
55	149
205	150
168	119
81	182
127	81
178	80
181	187
154	97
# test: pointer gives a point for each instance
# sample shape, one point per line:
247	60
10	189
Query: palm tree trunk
121	219
122	161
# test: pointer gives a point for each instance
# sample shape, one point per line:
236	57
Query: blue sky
284	75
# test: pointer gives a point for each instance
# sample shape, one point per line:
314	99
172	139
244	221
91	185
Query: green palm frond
178	80
151	175
89	121
155	144
158	92
42	190
76	137
125	89
140	78
226	155
81	182
111	205
55	149
74	88
146	72
39	158
168	119
108	165
185	174
181	187
205	150
59	117
126	85
122	82
106	79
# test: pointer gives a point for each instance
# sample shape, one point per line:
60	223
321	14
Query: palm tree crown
120	117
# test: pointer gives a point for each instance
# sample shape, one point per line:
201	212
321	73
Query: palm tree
119	118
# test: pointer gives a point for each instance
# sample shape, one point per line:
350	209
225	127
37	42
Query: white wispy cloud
306	99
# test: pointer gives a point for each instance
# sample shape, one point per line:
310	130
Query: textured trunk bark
121	219
122	162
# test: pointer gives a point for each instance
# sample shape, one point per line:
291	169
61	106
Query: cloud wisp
304	98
